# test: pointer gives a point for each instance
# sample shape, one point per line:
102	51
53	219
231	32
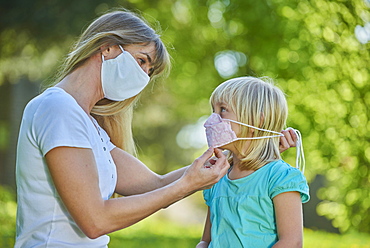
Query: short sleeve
288	179
110	146
59	121
207	196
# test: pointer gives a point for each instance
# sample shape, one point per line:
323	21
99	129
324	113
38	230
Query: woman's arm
206	238
289	220
75	176
134	177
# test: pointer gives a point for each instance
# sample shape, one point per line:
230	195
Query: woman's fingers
204	172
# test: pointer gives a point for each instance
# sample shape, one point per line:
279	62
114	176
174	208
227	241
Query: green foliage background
308	47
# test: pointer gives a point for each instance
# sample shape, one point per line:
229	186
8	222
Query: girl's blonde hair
257	102
119	27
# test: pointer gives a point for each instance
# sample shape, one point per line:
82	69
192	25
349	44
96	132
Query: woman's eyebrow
148	56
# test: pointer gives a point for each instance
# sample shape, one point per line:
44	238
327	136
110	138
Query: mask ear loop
261	129
277	134
300	160
120	47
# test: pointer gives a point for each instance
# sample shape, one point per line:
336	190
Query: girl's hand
202	244
288	140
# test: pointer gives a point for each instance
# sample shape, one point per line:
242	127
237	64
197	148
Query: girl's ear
262	120
251	130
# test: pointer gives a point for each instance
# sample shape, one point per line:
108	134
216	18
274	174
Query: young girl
258	203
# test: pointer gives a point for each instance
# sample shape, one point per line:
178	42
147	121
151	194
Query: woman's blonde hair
257	102
118	27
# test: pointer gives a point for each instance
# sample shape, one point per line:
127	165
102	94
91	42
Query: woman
71	154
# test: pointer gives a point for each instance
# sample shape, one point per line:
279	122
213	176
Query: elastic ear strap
261	129
300	161
102	56
262	137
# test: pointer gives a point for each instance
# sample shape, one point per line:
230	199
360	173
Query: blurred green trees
318	52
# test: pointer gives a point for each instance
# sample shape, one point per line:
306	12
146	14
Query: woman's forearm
172	176
134	177
119	213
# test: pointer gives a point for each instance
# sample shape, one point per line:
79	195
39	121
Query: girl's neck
236	172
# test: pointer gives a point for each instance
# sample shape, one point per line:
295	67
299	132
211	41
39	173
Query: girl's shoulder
281	171
280	166
283	178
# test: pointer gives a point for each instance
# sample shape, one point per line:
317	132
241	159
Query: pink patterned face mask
219	132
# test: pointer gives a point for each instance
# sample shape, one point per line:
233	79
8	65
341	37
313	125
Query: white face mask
122	77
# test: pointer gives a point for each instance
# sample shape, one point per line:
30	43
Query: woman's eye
223	109
141	61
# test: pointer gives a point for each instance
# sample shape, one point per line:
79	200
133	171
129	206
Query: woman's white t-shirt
51	120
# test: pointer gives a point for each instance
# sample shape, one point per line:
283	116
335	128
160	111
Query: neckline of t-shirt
56	88
59	89
250	176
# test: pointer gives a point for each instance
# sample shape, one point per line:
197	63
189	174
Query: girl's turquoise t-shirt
242	211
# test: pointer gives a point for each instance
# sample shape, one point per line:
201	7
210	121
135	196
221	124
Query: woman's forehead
144	48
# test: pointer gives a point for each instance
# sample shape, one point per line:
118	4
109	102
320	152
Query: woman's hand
204	172
288	140
213	159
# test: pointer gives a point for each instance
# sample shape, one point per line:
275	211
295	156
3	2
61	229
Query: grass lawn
319	239
152	233
157	232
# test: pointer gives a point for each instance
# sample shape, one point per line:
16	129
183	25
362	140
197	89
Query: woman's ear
105	50
110	52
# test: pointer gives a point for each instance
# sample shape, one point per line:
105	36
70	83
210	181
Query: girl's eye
223	109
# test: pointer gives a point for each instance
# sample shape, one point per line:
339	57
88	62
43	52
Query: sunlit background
316	50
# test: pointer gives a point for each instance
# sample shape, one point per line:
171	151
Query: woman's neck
83	85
